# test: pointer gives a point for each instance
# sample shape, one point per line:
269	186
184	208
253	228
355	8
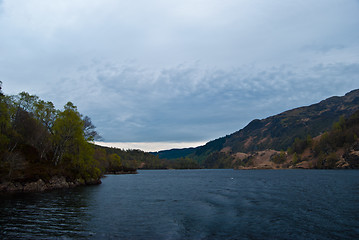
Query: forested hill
276	132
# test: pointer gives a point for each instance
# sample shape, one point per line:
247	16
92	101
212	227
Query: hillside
276	132
337	148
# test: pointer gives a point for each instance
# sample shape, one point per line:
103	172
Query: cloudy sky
153	74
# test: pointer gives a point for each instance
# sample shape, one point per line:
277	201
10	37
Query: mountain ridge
276	132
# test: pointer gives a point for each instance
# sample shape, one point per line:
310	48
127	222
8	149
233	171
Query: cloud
189	103
188	70
218	33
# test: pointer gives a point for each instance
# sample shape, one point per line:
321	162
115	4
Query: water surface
192	204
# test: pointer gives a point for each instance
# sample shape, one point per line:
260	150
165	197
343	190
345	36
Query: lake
192	204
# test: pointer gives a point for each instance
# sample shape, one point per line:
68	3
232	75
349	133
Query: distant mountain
174	153
276	132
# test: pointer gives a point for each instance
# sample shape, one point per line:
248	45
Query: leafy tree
68	133
100	156
38	140
278	158
26	101
115	163
46	113
340	125
4	122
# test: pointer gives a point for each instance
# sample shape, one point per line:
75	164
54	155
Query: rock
352	158
93	182
55	182
72	184
14	187
58	182
38	186
3	186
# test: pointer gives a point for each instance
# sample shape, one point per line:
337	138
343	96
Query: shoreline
56	182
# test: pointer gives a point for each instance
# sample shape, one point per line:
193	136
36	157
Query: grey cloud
120	61
130	103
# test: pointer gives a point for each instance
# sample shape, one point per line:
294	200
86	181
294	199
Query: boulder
58	182
14	187
38	186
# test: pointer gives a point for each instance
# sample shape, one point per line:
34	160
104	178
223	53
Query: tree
34	135
67	133
46	113
4	123
115	163
89	130
101	157
26	101
278	158
71	149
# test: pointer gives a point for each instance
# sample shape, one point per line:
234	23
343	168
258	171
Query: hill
276	132
279	132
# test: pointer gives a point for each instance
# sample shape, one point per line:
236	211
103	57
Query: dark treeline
130	159
137	159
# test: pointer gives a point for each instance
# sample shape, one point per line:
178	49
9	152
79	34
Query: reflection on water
193	204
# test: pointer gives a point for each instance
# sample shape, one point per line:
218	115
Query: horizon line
151	146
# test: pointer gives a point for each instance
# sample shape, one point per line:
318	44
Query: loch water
192	204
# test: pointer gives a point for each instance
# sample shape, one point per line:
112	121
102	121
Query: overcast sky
184	71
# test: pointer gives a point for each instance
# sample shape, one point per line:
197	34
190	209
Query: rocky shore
56	182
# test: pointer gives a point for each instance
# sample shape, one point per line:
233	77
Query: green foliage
46	113
326	161
68	134
343	135
300	145
115	163
340	125
185	163
34	135
4	124
279	158
130	159
218	160
295	159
